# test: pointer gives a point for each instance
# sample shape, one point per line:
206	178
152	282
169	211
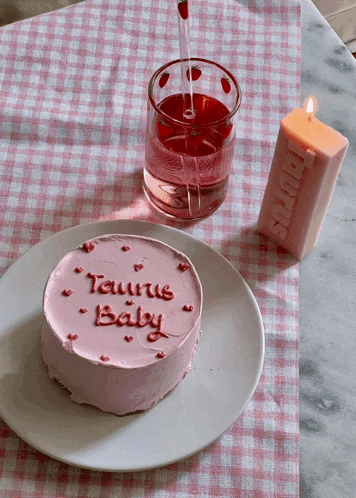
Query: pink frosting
164	334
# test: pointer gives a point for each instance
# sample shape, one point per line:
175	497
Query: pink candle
305	167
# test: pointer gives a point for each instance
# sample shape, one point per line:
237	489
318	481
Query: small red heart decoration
67	292
188	308
138	267
128	338
79	269
126	248
130	302
72	337
83	310
161	354
184	266
104	358
88	246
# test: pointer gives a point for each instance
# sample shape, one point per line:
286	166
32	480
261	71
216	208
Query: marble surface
17	10
327	283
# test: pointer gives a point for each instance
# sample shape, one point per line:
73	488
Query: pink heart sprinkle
83	310
130	302
67	292
79	269
72	337
138	267
161	354
184	266
128	338
88	246
188	308
104	358
126	248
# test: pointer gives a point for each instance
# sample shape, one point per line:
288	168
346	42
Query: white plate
224	374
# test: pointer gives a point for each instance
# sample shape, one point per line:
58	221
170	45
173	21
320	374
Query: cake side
116	390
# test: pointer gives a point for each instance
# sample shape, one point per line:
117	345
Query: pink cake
122	318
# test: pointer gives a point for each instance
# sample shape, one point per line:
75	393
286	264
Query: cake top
123	300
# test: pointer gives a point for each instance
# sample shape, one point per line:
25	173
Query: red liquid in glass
177	154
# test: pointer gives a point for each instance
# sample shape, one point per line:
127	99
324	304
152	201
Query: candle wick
309	118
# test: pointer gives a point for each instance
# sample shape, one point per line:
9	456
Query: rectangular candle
305	167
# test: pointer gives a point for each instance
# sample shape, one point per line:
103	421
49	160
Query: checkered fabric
73	87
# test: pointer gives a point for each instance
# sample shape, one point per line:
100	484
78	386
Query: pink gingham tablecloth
73	109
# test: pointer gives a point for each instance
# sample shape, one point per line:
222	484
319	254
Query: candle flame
310	106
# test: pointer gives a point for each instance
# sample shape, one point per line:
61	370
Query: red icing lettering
184	266
138	267
130	302
103	311
125	318
151	293
157	321
125	248
134	290
72	337
83	310
104	358
140	288
154	336
79	269
167	294
188	308
143	319
128	338
67	292
94	278
105	287
157	291
161	354
119	289
88	246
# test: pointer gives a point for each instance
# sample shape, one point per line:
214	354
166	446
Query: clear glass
188	154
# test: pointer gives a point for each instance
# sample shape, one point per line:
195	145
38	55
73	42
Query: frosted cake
122	317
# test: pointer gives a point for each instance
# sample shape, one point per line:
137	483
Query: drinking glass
190	136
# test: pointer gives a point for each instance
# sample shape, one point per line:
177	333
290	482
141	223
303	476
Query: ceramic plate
224	375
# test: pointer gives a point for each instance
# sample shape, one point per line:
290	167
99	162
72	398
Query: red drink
207	151
188	156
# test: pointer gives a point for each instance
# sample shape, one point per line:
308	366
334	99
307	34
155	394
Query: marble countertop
327	283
